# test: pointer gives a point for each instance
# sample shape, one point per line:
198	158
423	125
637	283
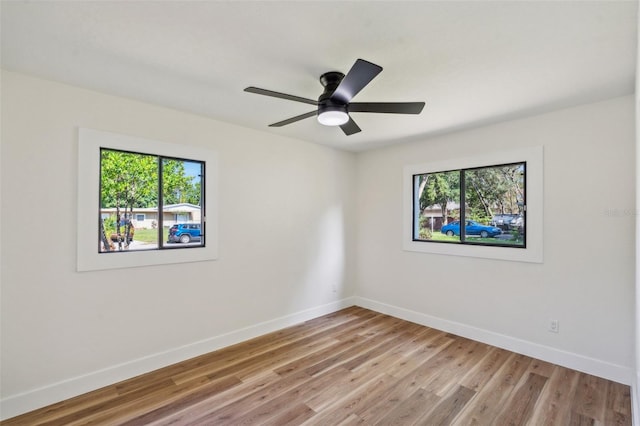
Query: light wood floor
351	367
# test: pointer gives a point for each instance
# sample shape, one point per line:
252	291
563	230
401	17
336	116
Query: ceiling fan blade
280	95
350	127
294	119
387	107
360	74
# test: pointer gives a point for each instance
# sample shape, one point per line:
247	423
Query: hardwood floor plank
398	356
236	357
312	388
447	363
484	408
590	398
114	404
332	410
448	408
410	409
554	405
295	415
384	346
386	400
215	401
230	412
467	355
519	407
408	383
581	420
485	369
303	363
344	406
413	360
181	401
352	420
618	410
544	369
345	390
373	339
352	367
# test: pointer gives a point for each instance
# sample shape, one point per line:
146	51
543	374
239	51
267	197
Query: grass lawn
150	235
438	236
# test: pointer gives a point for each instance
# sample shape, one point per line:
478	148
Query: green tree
127	180
193	193
492	190
174	181
439	188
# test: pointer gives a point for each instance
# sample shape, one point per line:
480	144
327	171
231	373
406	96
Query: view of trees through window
490	201
149	202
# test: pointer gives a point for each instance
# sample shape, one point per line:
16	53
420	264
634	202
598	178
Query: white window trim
88	257
534	250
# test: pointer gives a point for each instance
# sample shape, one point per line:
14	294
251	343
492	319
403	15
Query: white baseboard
41	397
596	367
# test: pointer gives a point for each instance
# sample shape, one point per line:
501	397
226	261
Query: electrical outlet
554	326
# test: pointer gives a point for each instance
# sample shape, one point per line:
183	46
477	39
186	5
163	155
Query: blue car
472	228
184	233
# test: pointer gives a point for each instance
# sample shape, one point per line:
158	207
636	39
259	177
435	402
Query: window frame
88	256
532	252
462	201
160	161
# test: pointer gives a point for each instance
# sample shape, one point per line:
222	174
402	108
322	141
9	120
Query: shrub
424	234
425	228
110	224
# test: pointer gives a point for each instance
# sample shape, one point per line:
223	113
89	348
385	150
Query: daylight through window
150	202
490	201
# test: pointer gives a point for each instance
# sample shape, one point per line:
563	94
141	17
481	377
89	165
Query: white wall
587	278
297	220
286	246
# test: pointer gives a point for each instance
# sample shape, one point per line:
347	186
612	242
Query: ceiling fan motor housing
330	81
331	112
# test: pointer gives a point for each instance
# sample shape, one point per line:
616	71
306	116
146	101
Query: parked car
184	233
507	221
472	228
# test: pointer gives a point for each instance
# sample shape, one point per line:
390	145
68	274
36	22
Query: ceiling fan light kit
334	103
333	117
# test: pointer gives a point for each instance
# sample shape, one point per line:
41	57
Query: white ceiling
473	62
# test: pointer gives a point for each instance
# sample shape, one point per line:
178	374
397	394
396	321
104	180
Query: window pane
128	187
182	209
437	200
495	205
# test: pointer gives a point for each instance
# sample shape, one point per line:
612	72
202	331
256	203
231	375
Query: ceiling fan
334	104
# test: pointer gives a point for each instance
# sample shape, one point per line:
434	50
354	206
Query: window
132	192
497	196
131	181
490	201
